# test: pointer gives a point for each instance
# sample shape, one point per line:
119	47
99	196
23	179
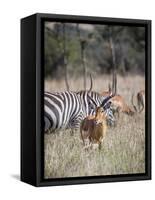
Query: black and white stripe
62	110
98	101
67	109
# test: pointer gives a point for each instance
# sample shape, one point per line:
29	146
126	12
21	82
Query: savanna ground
123	150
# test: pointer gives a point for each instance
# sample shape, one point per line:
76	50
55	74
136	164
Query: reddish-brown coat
93	128
119	104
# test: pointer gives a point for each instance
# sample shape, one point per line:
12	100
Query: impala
140	101
93	128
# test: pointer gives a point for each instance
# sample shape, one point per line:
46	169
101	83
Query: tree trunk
82	52
113	57
65	58
84	67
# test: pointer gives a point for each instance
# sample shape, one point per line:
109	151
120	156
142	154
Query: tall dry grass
123	150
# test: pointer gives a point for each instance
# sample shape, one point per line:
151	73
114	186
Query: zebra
64	110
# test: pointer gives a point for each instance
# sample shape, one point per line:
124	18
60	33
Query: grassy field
123	150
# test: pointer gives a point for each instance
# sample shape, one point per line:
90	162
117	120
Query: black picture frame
32	87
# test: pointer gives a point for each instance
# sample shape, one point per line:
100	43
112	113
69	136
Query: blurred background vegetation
73	49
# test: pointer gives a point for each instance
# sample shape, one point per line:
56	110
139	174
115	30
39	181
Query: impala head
100	115
104	106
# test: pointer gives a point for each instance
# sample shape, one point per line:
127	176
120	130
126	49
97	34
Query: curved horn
132	101
141	108
109	87
107	99
91	83
142	103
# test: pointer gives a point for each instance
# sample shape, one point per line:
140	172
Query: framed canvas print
85	99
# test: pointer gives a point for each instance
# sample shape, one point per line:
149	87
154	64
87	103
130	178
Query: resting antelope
140	101
118	104
93	128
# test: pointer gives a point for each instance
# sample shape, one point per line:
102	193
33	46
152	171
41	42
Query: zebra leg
47	124
74	125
